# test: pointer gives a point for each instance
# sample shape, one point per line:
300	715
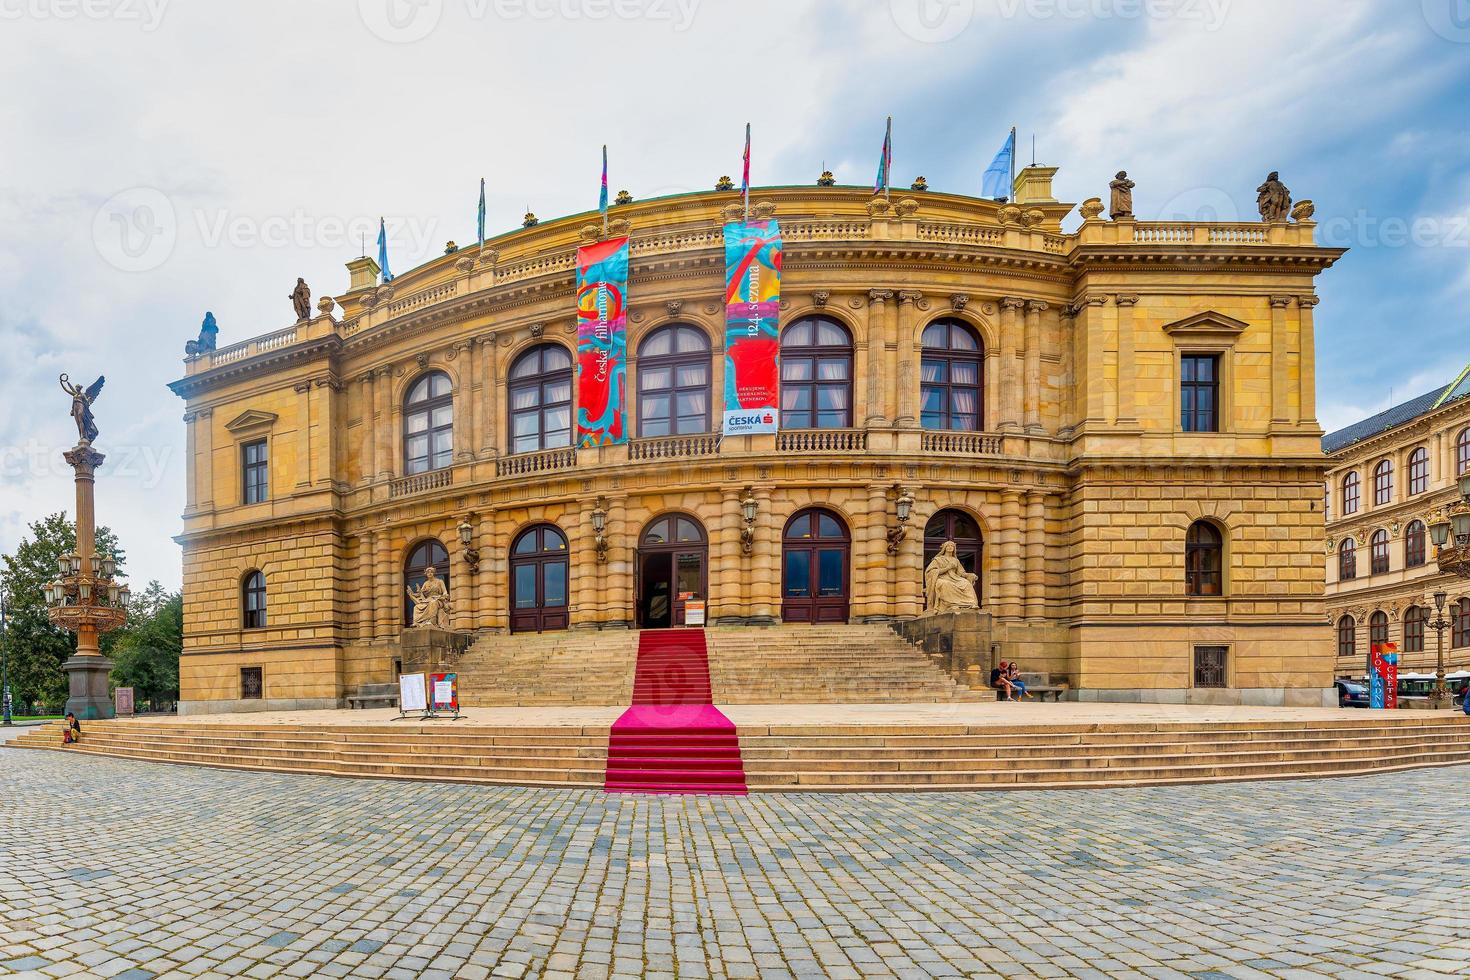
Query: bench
374	696
1040	685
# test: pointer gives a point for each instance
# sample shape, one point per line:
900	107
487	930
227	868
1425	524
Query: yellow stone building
1387	475
1116	425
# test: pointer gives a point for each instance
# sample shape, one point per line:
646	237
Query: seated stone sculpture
947	586
430	602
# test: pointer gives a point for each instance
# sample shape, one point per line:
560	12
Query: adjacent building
1115	425
1387	474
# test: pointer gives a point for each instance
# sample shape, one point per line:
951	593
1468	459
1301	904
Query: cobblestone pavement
124	869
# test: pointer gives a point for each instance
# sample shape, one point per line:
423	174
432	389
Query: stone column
384	620
906	406
1280	376
205	439
877	354
1035	533
303	433
467	445
1010	396
367	546
1067	393
489	396
329	415
617	573
367	406
191	453
1440	464
1010	577
1034	309
724	559
764	581
588	575
1308	358
383	451
871	563
1093	407
1127	362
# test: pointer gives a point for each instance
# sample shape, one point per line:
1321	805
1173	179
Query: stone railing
524	464
822	441
961	234
420	482
674	447
962	443
250	348
422	298
1199	233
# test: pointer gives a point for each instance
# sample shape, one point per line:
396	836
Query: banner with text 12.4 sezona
752	343
602	343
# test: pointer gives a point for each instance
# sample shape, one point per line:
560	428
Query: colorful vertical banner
1383	676
752	344
602	343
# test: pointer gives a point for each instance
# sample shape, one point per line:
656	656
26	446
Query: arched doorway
815	552
969	545
538	580
421	557
673	561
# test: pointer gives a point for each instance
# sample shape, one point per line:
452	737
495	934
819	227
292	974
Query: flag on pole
745	178
885	161
602	199
480	218
383	250
997	182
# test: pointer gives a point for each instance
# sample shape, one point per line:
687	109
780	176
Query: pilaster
877	354
1032	353
1010	393
1127	384
906	405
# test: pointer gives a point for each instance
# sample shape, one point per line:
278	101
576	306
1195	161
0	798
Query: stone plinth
428	650
958	641
90	697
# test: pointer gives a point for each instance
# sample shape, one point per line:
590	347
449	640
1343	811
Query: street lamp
4	654
1439	625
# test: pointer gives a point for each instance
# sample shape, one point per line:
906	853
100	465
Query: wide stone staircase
824	665
549	669
831	757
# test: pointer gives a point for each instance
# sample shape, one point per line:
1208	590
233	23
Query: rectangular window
256	470
252	685
1199	393
1460	617
1209	666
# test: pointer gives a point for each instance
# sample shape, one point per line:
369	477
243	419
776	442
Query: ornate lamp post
1450	531
4	654
1439	625
85	599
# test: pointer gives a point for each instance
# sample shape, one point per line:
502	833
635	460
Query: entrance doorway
815	558
961	528
673	568
538	580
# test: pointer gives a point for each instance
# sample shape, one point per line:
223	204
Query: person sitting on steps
71	734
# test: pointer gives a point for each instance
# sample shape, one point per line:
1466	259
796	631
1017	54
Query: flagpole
888	161
604	190
745	165
1011	190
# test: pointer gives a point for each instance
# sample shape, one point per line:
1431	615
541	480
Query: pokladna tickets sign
752	344
602	343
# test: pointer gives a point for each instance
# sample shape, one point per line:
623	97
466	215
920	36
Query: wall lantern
466	532
904	508
599	528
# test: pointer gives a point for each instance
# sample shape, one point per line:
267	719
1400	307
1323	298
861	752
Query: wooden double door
816	563
672	569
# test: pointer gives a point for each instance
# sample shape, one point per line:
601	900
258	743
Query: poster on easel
412	693
444	694
1383	676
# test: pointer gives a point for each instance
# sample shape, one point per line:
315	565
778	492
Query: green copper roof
1457	390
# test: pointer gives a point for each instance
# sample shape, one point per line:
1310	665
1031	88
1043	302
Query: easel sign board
413	693
1383	679
444	692
694	612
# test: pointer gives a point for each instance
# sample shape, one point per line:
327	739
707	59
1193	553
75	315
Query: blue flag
885	159
383	250
997	180
480	221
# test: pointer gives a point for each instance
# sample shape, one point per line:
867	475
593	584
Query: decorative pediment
251	419
1208	325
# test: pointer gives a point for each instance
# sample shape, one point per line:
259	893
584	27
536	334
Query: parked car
1351	694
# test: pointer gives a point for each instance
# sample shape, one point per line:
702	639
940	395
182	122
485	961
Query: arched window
816	375
1203	560
1347	638
1347	560
1379	554
252	600
1462	453
538	580
1415	619
424	556
428	424
951	377
1377	629
1418	471
1383	483
1460	622
959	527
1351	493
540	393
673	382
1414	549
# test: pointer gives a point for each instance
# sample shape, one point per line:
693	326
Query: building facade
1388	474
1116	426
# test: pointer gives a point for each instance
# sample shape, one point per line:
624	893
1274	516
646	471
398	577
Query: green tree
36	649
146	651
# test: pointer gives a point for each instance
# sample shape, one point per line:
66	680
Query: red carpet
673	740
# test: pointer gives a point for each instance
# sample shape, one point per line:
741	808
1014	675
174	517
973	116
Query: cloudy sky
160	158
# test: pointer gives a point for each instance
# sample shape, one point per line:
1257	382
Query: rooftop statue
947	586
1273	200
81	406
1122	197
208	337
430	602
301	299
